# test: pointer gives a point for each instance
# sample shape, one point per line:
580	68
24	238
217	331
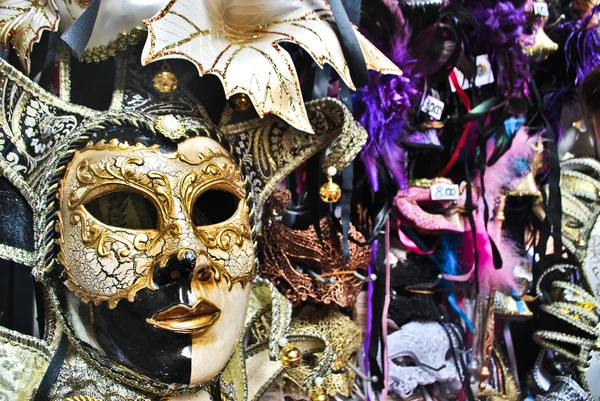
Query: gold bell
318	394
165	82
291	357
330	191
241	102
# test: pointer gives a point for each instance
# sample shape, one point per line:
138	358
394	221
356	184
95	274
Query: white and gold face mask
159	244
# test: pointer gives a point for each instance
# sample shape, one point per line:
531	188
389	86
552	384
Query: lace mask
305	268
407	305
426	346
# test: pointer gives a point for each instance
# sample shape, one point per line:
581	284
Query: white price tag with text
432	106
444	192
541	9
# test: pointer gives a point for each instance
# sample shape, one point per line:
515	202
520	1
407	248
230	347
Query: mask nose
185	265
179	266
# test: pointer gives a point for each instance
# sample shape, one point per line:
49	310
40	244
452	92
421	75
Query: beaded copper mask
305	268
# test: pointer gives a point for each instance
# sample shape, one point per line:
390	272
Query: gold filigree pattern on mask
224	238
97	175
102	240
223	36
107	263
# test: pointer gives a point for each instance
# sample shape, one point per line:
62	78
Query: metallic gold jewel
185	319
319	395
291	357
165	82
241	102
526	187
330	191
429	182
537	44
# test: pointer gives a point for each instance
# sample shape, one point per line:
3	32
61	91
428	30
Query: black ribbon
554	209
52	372
470	211
78	35
350	46
321	82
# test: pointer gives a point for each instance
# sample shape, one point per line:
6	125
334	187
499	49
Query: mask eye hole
124	210
404	361
214	206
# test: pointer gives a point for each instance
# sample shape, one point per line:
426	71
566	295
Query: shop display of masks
245	200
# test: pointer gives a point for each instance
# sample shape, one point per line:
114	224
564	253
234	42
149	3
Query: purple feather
501	26
386	102
582	48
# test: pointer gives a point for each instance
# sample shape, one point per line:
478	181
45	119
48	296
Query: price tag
485	75
444	192
540	9
432	106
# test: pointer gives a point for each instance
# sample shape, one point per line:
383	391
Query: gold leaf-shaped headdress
239	41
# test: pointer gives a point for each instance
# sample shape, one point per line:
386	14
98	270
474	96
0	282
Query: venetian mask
535	42
420	207
307	267
157	251
420	353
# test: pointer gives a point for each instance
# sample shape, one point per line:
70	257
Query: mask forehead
108	263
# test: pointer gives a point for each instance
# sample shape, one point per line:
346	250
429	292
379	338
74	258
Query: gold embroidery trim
17	255
122	42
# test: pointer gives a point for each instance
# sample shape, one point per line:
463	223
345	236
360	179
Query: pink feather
499	177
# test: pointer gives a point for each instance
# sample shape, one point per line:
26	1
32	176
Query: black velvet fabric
16	282
16	297
16	229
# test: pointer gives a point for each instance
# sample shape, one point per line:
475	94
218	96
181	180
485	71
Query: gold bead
318	395
241	102
165	82
330	191
291	357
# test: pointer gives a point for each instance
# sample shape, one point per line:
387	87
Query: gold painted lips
185	319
